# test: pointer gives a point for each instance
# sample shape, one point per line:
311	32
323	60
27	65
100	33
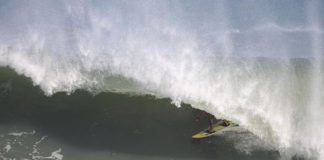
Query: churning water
257	63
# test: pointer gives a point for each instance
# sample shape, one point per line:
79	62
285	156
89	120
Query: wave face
259	64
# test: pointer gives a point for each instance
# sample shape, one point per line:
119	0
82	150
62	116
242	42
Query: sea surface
82	126
114	79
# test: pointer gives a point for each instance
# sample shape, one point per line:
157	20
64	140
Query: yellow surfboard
216	128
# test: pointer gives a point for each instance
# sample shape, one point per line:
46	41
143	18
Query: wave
269	97
268	81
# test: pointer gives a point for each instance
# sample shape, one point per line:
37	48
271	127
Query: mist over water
257	63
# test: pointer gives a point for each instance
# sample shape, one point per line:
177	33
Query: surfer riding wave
211	121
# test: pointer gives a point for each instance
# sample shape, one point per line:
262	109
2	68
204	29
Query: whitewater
258	64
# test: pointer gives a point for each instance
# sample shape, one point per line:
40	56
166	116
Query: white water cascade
257	63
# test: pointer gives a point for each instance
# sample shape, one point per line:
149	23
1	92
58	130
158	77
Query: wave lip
261	69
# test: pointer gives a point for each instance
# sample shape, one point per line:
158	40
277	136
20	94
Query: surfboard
216	129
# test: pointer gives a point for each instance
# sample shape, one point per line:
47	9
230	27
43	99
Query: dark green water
81	126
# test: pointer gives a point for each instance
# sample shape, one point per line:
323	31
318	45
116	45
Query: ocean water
256	63
108	126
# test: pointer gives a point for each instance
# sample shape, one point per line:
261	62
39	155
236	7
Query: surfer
215	125
211	120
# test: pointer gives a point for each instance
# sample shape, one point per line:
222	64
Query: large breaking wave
258	64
